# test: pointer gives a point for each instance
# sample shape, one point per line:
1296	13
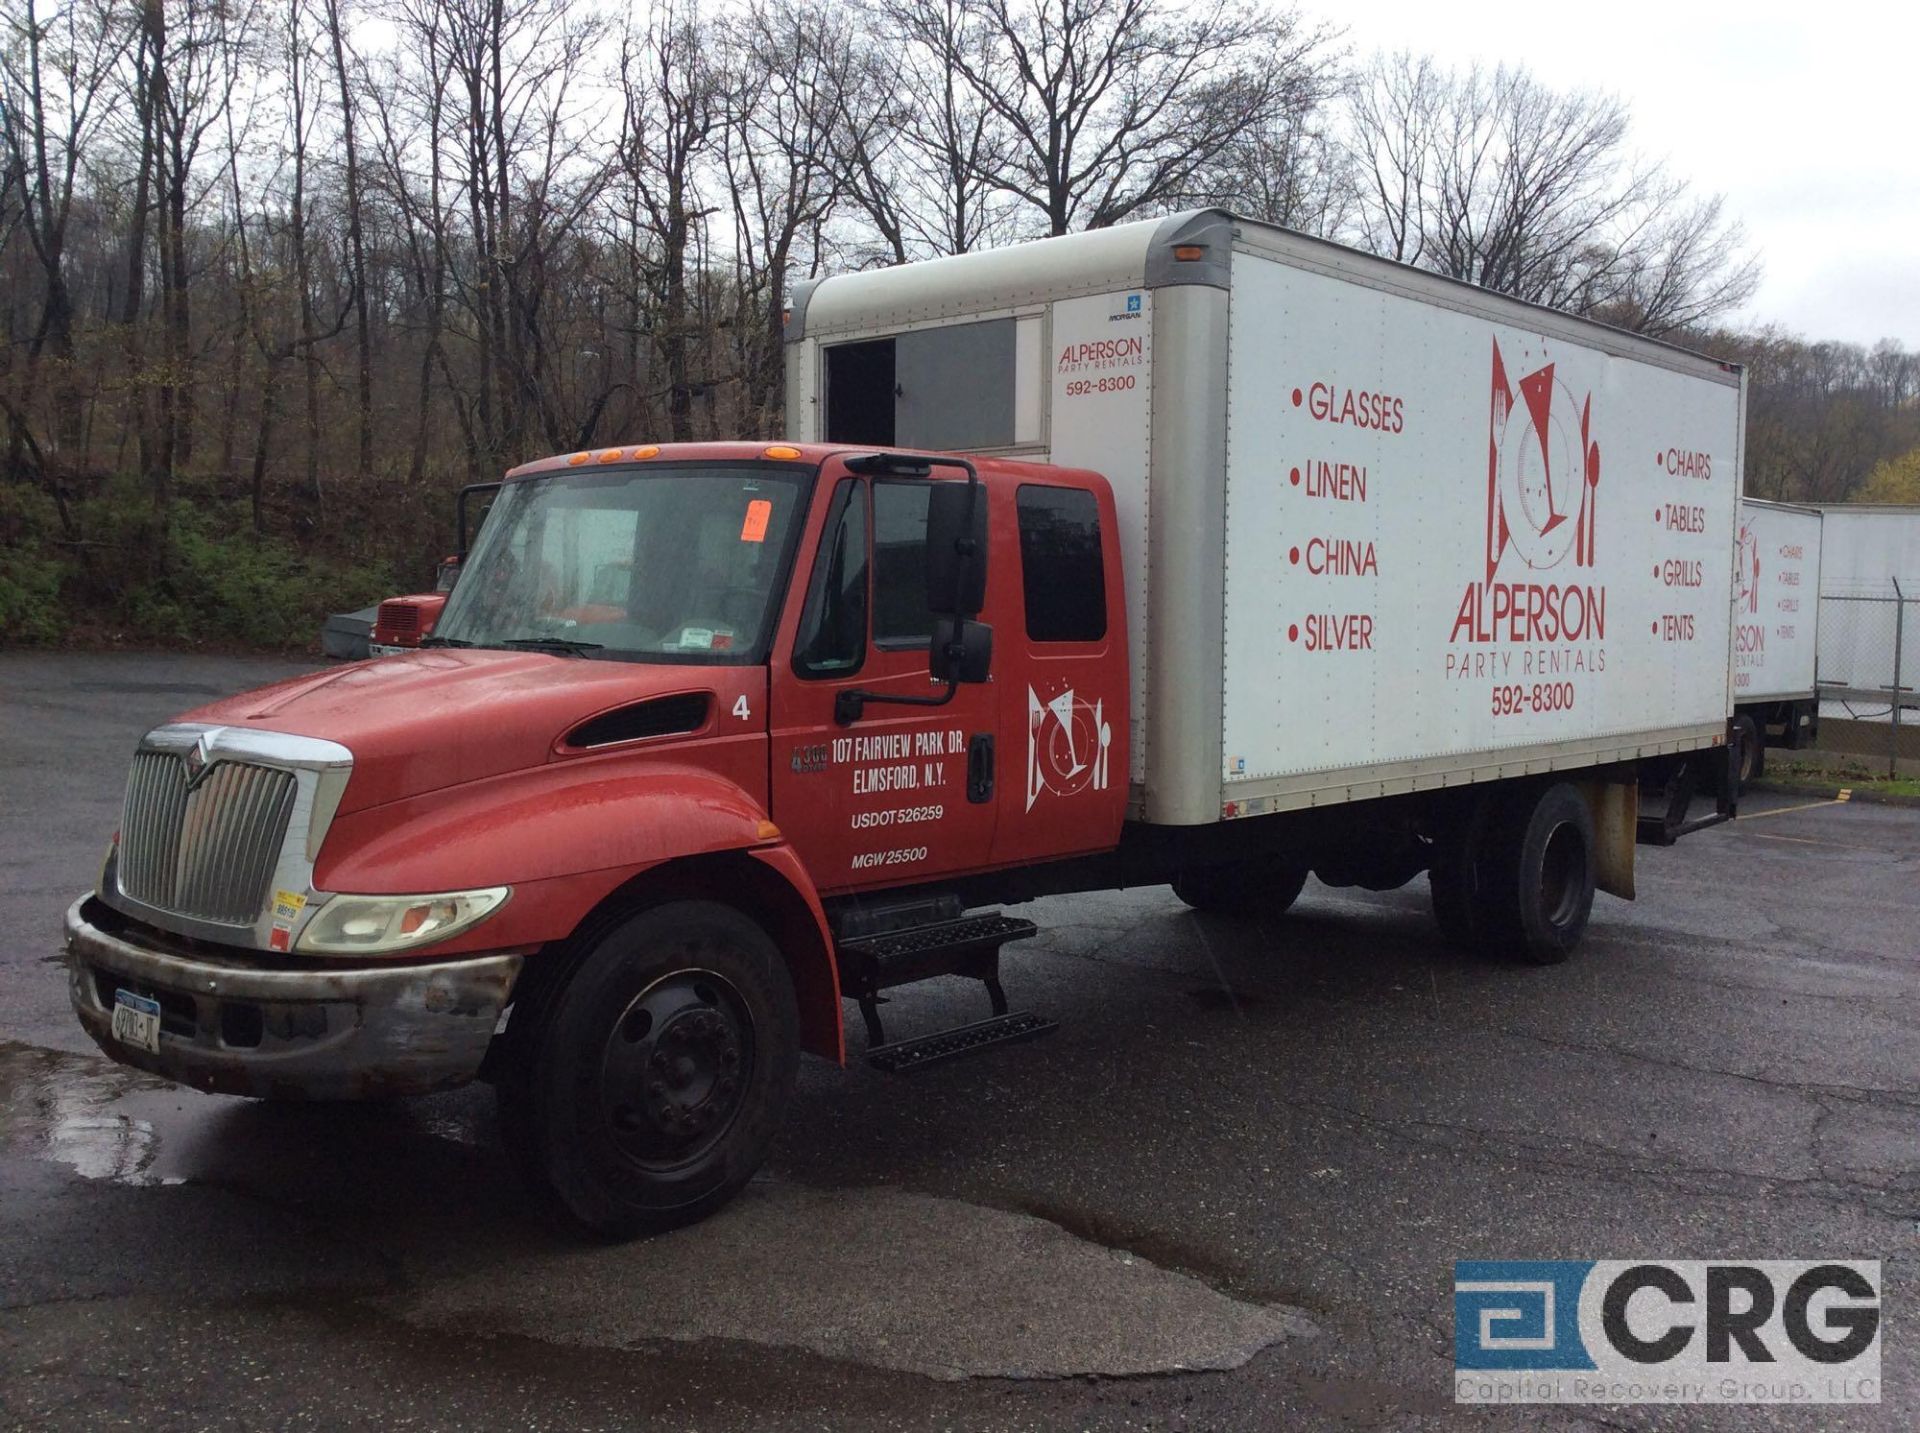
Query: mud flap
1616	819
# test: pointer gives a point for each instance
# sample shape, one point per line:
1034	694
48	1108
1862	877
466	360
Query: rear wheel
1243	888
1537	875
658	1076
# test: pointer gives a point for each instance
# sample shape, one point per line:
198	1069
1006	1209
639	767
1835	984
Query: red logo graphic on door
1543	471
1067	744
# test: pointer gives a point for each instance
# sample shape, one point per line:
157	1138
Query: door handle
980	768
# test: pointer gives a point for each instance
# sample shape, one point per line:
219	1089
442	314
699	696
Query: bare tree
921	168
1111	107
356	242
1288	166
1495	178
672	113
54	71
794	111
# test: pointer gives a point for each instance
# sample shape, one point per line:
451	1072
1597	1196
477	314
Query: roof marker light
780	452
577	459
1188	253
651	450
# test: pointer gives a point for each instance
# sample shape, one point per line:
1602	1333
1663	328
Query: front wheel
660	1073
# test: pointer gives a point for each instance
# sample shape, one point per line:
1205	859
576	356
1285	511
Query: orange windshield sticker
754	529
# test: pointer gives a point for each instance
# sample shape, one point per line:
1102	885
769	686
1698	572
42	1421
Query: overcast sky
1806	116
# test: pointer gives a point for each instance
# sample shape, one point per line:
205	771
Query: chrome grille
208	852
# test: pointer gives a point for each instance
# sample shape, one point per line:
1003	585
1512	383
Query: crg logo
1671	1331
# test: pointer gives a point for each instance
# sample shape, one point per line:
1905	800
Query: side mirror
961	650
956	549
447	574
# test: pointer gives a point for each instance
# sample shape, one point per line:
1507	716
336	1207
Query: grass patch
1861	779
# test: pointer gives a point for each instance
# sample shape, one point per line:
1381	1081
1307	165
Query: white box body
1776	602
1485	539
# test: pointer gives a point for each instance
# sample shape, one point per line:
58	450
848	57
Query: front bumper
325	1033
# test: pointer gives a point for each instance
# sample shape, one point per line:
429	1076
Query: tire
657	1076
1243	888
1536	879
1752	748
1454	879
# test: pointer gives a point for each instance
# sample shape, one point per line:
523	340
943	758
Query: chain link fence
1869	667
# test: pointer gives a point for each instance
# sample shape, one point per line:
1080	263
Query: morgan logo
1543	471
1067	744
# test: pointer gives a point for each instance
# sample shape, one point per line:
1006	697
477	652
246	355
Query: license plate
136	1021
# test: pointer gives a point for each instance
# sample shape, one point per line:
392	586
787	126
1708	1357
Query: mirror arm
847	705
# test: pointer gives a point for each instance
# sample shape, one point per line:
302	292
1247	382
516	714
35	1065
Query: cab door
885	798
1062	663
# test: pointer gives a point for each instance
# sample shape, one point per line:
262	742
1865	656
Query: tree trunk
356	250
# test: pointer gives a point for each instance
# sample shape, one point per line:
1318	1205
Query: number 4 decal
740	709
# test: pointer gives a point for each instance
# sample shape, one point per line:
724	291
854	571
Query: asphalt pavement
1228	1193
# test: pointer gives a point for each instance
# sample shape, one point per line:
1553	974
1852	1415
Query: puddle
916	1283
68	1108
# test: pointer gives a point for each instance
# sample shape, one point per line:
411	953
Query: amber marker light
651	450
1188	253
613	455
781	452
577	459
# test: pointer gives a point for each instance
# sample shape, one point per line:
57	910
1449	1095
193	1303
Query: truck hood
443	716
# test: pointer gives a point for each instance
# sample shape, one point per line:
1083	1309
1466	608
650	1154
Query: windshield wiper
561	645
445	642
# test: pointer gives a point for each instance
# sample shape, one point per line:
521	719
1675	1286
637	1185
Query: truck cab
672	685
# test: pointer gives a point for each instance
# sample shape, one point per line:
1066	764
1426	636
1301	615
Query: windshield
655	563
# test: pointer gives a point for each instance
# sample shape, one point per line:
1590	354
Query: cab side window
1060	564
900	616
832	641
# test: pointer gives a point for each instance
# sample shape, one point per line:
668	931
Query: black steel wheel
673	1071
657	1077
1538	877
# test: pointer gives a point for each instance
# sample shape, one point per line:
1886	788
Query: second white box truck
1776	617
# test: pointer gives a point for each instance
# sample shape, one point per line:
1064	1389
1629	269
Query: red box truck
1189	551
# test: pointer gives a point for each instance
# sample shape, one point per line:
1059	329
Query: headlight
377	925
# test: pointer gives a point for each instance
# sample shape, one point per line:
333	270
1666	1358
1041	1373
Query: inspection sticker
287	905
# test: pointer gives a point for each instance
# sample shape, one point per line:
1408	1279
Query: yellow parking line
1846	795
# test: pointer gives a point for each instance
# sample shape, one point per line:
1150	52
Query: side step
966	946
905	1055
